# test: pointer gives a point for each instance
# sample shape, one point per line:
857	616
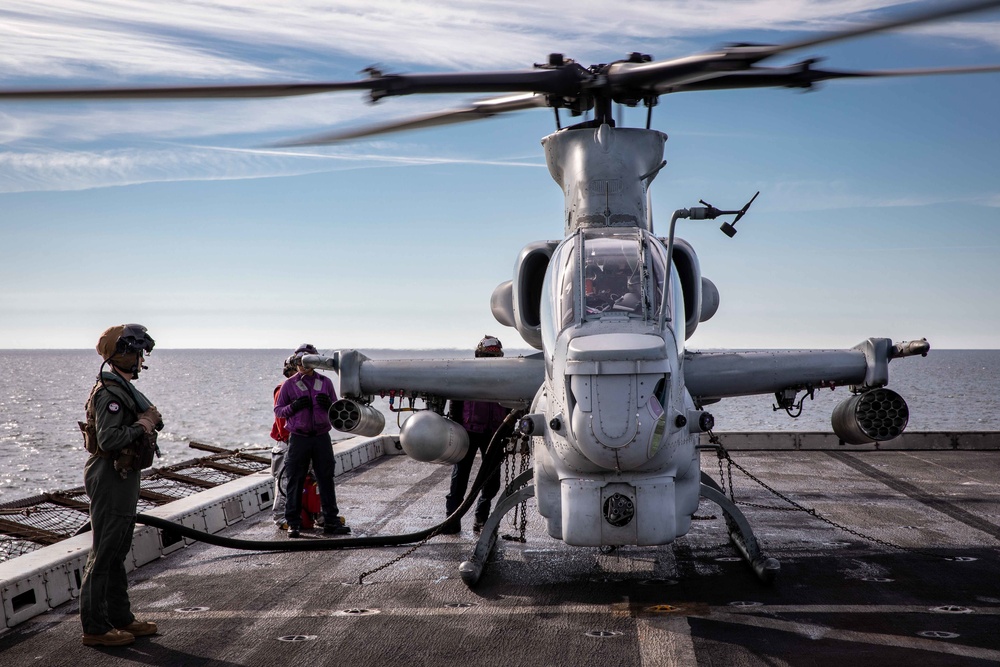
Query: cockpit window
623	274
558	307
600	273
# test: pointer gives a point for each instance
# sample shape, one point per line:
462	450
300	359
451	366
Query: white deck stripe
823	632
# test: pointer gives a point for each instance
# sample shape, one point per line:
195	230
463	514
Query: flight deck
932	598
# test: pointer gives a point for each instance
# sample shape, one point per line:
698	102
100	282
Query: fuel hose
492	460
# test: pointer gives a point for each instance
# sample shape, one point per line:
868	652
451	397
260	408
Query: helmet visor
135	339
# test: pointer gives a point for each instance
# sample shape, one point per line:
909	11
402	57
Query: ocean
224	398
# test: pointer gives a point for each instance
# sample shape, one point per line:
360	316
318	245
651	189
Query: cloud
805	195
52	46
125	42
384	159
82	170
87	122
71	38
965	35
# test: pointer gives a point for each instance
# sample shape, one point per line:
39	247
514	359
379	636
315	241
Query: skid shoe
740	532
517	492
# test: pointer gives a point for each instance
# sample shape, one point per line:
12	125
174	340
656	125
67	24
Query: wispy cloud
82	170
225	39
804	196
125	42
54	47
22	123
965	35
811	196
384	159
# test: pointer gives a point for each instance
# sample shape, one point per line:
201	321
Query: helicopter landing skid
740	532
472	569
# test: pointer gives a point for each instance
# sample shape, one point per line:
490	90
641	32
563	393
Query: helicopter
613	402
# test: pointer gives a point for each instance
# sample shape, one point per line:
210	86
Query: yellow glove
149	419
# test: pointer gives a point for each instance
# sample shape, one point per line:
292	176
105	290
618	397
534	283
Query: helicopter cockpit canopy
608	274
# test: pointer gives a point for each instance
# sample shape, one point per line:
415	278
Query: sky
879	212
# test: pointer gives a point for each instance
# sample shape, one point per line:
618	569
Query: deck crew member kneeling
304	402
120	435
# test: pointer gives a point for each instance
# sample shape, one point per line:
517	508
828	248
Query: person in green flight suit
120	435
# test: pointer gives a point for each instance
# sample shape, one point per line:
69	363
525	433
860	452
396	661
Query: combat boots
113	637
140	628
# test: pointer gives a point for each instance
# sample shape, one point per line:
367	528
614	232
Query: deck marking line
615	610
665	641
823	632
914	492
851	609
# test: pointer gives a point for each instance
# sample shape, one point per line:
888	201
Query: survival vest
137	455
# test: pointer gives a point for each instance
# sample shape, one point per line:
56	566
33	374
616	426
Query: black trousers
303	450
478	442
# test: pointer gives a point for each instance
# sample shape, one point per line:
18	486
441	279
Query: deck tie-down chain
361	577
519	449
723	454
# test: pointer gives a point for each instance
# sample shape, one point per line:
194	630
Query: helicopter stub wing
708	375
715	375
505	380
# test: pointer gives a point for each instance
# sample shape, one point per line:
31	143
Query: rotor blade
916	18
802	76
636	80
978	69
564	80
184	92
478	110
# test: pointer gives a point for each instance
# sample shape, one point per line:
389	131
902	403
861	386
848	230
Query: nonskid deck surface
839	600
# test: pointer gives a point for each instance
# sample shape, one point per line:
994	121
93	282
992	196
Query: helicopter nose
613	378
613	402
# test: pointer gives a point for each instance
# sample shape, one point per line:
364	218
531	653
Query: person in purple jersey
304	403
481	419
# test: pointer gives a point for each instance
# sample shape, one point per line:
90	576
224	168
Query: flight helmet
489	346
124	345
